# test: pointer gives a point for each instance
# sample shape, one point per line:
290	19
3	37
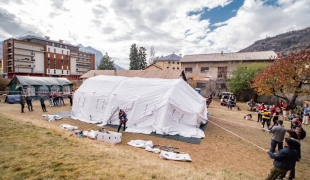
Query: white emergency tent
164	106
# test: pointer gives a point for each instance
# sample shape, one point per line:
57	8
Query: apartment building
37	56
169	62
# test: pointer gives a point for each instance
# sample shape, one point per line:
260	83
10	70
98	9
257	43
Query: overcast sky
179	26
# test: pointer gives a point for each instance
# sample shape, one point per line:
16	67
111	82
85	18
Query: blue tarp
12	99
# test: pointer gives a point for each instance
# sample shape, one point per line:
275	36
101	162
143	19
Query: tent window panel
82	101
30	90
149	110
66	89
100	103
55	89
43	91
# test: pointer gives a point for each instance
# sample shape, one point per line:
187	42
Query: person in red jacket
260	108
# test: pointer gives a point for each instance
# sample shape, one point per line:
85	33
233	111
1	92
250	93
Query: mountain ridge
282	43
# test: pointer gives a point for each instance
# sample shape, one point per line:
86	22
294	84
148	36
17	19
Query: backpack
303	134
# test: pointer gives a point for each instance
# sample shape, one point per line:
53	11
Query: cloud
114	25
12	26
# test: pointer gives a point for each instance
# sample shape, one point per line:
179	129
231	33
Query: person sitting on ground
283	160
252	105
248	117
123	119
277	138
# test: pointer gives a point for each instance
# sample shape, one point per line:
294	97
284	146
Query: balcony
31	60
25	53
27	47
82	69
80	56
25	66
82	61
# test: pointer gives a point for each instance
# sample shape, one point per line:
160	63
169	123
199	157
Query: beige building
210	72
170	62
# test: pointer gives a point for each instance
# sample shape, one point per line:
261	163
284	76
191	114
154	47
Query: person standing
123	119
29	102
283	160
275	116
259	113
22	102
285	111
42	104
230	101
61	99
296	145
265	117
70	99
305	111
50	99
277	137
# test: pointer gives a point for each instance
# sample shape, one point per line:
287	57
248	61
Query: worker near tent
22	102
29	102
122	119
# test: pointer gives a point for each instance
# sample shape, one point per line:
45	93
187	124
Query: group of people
287	155
208	100
54	100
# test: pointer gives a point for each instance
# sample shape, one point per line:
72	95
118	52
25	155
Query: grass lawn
33	148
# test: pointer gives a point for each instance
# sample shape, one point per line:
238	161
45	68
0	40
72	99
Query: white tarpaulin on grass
164	106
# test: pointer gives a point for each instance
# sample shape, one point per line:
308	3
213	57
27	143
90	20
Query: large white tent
164	106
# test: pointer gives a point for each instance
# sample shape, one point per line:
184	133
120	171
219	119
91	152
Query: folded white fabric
68	127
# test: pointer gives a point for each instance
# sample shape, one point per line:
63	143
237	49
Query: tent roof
48	81
162	74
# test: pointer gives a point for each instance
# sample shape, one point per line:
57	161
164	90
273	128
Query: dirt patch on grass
221	155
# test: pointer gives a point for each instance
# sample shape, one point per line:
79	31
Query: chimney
221	52
61	41
47	37
180	55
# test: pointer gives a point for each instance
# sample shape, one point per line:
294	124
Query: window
55	89
53	45
67	62
173	62
54	50
221	85
48	66
62	71
48	51
54	71
167	67
66	89
54	66
173	68
67	51
178	63
62	61
48	71
66	48
62	51
67	72
48	55
43	91
60	46
188	69
204	69
222	72
168	62
178	68
54	61
29	90
201	85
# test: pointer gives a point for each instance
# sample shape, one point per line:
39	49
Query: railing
80	56
25	53
33	48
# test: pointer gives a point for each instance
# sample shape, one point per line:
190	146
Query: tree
142	58
3	84
106	63
242	76
285	78
137	58
134	58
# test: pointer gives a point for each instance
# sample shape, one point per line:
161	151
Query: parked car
225	97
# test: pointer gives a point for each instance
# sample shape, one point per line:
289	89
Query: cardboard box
110	137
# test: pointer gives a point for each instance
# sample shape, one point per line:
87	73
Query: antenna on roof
152	54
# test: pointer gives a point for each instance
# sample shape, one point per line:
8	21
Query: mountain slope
283	43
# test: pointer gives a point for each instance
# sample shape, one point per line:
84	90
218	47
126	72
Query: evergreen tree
142	58
134	58
106	63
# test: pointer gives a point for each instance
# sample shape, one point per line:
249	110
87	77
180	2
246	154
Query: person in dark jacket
42	104
283	160
29	102
70	99
296	145
22	102
123	119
